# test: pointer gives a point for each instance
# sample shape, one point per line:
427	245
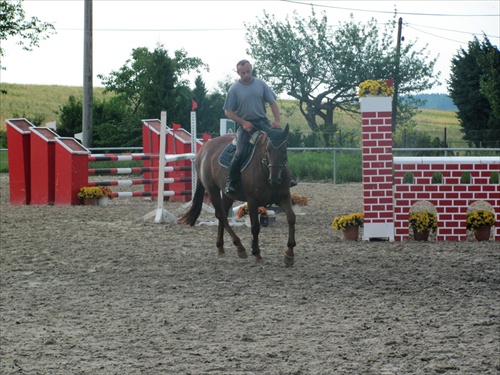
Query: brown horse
265	180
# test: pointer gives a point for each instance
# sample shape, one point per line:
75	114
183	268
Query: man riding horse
246	105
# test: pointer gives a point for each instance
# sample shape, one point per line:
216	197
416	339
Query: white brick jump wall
387	200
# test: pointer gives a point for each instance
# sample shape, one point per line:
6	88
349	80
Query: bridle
265	157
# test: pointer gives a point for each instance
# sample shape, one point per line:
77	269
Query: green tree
490	81
321	66
474	87
114	126
70	117
210	108
14	24
152	82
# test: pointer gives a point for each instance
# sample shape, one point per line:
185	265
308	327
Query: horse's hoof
258	258
243	254
289	260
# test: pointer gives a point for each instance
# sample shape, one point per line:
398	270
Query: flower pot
247	221
351	233
297	208
483	233
103	201
420	236
89	201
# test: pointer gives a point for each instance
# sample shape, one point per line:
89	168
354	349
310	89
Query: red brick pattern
451	198
377	167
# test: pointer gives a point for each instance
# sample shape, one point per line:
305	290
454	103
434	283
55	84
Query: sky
214	32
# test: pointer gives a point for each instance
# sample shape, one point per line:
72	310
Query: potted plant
349	225
298	201
107	194
423	223
89	194
376	88
480	222
243	210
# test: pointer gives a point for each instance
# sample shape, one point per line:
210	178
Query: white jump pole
193	151
160	212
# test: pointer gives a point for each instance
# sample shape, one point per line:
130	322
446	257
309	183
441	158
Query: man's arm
276	113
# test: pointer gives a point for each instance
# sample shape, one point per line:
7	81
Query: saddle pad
227	155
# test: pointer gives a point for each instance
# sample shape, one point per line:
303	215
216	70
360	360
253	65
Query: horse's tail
194	211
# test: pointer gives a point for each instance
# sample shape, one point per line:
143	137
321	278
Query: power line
151	30
450	30
392	12
437	36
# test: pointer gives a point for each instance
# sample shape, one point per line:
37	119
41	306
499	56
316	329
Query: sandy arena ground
89	290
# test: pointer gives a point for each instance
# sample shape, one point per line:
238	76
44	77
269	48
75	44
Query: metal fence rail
334	150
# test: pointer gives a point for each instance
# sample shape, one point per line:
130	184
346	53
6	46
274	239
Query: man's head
244	70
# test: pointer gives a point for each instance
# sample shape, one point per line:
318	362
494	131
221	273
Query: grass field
44	102
37	101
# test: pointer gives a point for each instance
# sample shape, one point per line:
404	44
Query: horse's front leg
220	239
254	220
291	218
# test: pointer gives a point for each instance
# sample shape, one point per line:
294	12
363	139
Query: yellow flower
371	87
422	221
90	192
342	222
480	218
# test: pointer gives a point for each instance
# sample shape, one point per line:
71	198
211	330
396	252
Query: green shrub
437	178
318	165
494	178
465	178
408	178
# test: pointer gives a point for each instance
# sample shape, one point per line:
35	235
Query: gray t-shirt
249	101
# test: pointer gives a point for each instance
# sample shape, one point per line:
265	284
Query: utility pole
396	78
87	76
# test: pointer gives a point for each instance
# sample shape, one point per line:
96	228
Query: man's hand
247	125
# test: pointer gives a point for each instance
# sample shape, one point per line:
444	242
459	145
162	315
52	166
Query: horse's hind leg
221	209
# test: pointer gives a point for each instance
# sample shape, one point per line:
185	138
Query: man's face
245	73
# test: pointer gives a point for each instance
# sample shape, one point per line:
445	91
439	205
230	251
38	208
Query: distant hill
437	101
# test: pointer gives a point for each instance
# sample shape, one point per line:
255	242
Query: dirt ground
90	290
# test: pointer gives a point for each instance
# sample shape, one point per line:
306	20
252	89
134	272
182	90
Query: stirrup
230	188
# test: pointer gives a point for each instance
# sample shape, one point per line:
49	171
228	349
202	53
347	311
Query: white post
160	213
193	151
161	165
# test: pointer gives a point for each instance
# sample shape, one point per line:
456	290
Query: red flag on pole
194	105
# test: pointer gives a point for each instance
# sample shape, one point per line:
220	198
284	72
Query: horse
264	181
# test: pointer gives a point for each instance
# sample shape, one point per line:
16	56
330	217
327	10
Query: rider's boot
232	176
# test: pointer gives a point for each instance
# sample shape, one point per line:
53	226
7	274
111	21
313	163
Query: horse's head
276	154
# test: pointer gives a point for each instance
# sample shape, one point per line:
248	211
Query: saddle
227	153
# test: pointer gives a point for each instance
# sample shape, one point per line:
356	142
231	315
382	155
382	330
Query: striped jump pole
140	170
138	181
130	194
123	157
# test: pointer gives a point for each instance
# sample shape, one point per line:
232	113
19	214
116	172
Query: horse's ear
286	130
